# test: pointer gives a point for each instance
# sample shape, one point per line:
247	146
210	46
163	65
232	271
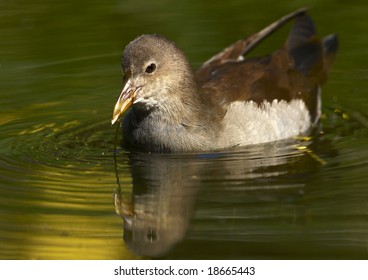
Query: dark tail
330	46
309	54
312	57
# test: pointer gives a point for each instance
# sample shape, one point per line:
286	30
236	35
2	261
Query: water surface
66	192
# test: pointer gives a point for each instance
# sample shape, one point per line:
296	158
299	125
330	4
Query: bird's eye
151	68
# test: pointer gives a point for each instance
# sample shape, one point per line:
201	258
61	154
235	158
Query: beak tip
113	121
125	100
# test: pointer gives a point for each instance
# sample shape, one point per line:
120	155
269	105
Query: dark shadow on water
162	203
167	190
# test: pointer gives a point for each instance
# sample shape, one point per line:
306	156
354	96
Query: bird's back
295	71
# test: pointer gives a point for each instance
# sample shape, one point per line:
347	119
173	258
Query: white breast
249	123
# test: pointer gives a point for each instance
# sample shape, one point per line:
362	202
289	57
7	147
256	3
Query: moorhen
230	100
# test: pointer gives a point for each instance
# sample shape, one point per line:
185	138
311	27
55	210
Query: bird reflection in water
169	189
162	204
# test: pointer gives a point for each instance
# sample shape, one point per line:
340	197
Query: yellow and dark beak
125	100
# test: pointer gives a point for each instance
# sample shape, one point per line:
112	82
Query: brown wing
242	47
295	71
256	79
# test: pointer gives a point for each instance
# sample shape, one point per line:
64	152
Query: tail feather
330	46
304	47
302	30
312	57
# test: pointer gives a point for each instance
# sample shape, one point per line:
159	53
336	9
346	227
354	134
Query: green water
66	193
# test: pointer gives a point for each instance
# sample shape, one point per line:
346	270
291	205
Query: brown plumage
295	71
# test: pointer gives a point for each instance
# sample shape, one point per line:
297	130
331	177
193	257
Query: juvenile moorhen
230	100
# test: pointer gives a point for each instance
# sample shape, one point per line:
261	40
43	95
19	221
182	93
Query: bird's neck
184	125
